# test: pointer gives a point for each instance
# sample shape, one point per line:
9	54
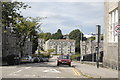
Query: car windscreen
64	57
25	57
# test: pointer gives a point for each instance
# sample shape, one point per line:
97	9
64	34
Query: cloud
63	0
66	15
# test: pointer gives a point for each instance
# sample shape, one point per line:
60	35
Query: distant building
41	43
89	49
110	37
61	46
9	44
28	47
65	36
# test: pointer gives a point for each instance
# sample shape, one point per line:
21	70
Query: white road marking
18	71
29	75
52	70
15	73
27	67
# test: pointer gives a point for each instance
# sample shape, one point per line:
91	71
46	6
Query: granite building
61	46
110	58
89	50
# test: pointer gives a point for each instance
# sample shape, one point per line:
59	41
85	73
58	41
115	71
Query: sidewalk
91	71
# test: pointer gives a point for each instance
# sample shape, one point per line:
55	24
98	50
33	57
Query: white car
26	59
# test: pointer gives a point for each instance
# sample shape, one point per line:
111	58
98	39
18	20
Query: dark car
64	59
36	59
45	59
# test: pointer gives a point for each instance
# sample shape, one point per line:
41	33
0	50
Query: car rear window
64	57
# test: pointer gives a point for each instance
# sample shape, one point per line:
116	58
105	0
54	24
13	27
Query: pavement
91	71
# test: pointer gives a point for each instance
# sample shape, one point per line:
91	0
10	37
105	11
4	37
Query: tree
102	37
24	30
57	35
41	35
76	35
50	51
45	36
10	12
10	15
92	38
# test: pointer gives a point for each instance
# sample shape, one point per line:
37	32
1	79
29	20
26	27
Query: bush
75	56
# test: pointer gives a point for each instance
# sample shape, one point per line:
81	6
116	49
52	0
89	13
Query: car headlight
69	60
59	60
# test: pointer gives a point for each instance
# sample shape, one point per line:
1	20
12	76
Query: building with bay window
110	58
61	46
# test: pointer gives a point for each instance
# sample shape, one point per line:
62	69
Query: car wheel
58	64
69	65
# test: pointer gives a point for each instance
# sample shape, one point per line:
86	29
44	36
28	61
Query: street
41	70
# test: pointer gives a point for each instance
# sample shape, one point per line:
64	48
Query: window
113	21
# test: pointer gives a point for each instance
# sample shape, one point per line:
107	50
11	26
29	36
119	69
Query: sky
67	16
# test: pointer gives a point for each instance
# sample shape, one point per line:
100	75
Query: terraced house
61	46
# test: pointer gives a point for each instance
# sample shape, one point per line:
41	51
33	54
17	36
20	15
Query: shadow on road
51	63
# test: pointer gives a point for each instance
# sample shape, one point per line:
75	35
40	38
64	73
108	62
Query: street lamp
92	48
81	42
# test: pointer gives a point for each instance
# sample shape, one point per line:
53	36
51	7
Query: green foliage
55	54
57	35
76	35
47	36
102	37
74	56
51	50
92	38
11	11
24	28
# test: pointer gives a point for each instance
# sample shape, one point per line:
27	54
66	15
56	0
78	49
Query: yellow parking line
76	72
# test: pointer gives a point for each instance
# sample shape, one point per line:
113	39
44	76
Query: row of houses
88	50
9	44
61	46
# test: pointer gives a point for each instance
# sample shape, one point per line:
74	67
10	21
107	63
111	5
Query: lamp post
81	42
98	27
92	48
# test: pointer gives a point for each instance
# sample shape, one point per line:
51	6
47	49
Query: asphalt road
41	70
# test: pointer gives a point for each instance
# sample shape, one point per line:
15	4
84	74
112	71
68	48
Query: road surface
41	70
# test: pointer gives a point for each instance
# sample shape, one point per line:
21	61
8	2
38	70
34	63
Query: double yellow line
76	72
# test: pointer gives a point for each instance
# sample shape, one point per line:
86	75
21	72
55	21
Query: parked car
64	59
45	59
41	59
12	59
26	58
36	59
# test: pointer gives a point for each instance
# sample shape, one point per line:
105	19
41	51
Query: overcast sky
67	16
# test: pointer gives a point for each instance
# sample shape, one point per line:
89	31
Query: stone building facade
89	49
9	45
110	38
41	43
61	46
28	47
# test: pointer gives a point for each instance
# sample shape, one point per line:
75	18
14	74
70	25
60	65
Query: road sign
117	28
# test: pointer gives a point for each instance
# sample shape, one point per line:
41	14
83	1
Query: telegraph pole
98	27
